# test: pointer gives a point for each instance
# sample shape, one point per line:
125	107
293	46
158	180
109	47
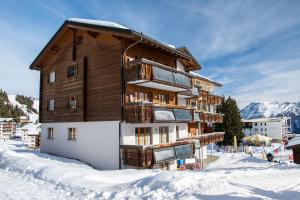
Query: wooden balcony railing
142	71
211	117
137	156
144	157
210	98
211	138
139	114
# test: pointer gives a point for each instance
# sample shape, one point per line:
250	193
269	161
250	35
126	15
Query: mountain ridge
273	109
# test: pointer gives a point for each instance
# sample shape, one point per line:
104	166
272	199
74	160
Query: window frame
50	81
162	133
76	72
140	137
70	107
50	134
49	107
72	134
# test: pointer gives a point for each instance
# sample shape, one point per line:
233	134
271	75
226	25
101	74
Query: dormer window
72	71
51	77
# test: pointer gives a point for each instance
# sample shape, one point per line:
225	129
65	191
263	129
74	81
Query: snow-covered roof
204	77
97	22
6	119
294	142
32	129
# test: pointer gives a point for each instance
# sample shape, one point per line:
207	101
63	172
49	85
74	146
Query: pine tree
232	124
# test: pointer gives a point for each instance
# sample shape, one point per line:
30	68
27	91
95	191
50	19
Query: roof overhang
186	58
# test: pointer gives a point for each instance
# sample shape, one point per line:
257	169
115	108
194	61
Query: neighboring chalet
275	128
31	135
294	144
115	98
7	128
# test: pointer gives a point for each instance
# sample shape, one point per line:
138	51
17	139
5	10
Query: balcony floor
155	85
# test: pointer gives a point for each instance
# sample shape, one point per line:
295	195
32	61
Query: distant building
24	120
276	128
294	144
7	128
31	135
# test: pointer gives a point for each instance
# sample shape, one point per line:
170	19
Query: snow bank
231	176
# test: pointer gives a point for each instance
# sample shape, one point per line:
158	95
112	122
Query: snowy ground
26	174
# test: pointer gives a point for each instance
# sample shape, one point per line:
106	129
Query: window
72	71
265	129
255	124
72	134
266	134
256	129
51	105
51	77
261	129
261	124
265	124
50	133
177	132
138	97
143	136
163	98
72	102
163	135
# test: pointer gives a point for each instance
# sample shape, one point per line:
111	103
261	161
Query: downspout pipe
123	91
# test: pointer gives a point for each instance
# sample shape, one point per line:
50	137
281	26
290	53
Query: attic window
79	40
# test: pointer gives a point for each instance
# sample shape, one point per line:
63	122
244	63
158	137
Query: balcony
151	74
146	156
211	117
207	138
210	98
157	114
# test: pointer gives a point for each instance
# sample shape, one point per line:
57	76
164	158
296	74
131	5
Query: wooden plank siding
141	51
97	86
98	92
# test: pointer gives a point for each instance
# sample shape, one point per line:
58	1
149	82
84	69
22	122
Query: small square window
72	134
51	104
51	77
72	71
50	133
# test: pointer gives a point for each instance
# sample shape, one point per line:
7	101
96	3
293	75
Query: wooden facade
98	85
95	73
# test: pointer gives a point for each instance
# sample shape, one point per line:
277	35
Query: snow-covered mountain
33	116
275	109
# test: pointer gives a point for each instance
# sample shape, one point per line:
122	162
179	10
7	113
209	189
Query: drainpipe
123	92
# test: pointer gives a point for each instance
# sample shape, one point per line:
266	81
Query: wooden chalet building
115	98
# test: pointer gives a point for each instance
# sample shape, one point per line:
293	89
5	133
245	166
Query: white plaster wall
97	143
128	131
180	66
181	100
274	129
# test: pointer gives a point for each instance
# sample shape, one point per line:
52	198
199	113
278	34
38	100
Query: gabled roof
206	79
117	29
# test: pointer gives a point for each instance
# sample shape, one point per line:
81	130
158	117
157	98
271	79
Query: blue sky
252	47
